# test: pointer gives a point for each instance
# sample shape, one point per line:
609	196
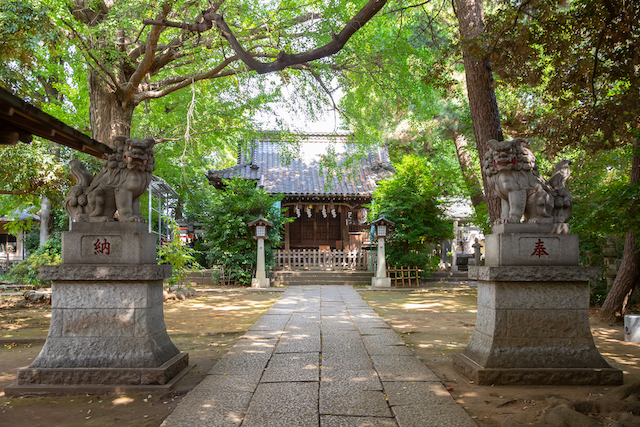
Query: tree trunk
466	167
109	116
629	273
45	219
482	98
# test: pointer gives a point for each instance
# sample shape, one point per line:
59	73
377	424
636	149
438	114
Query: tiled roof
267	165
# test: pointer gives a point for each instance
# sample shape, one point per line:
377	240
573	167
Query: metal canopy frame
167	199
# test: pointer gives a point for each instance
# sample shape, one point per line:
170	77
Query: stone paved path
320	356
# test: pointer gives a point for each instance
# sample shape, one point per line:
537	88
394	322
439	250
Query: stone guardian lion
511	172
114	194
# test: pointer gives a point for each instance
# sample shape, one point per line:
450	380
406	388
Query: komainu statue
114	194
511	172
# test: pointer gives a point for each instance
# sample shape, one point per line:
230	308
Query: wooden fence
404	276
314	258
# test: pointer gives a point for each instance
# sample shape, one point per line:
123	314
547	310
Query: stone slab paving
319	357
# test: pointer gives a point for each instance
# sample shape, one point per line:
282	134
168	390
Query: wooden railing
314	258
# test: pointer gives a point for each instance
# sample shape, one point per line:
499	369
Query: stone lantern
383	227
260	224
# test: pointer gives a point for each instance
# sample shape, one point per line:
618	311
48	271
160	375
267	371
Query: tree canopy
410	198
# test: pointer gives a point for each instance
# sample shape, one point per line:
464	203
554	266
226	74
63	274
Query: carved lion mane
115	192
511	172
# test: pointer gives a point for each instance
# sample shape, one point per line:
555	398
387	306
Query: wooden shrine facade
328	209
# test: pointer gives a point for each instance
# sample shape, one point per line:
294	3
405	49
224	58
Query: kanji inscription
102	248
540	249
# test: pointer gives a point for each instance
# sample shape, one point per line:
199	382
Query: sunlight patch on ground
422	305
231	307
123	400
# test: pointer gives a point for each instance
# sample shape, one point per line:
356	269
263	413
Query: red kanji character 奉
540	249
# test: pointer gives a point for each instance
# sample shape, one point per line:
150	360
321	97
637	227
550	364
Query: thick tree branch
185	81
283	59
87	15
31	189
147	61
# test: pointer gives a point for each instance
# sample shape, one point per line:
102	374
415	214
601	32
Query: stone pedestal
380	282
260	283
107	328
533	320
261	280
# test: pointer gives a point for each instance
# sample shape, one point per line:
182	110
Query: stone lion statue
114	194
511	172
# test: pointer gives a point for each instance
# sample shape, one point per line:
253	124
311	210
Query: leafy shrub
179	255
27	271
229	241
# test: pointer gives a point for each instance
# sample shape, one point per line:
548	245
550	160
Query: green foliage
179	255
572	69
480	218
27	271
602	196
598	292
400	73
410	199
27	39
31	240
228	239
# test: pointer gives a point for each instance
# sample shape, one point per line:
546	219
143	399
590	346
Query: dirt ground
205	327
438	323
435	322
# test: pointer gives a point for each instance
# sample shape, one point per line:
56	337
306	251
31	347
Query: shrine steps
320	277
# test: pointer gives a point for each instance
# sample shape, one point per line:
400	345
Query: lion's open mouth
504	163
134	159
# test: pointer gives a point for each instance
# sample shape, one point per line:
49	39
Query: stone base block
260	283
535	249
75	381
106	324
107	376
380	282
108	243
534	332
535	376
